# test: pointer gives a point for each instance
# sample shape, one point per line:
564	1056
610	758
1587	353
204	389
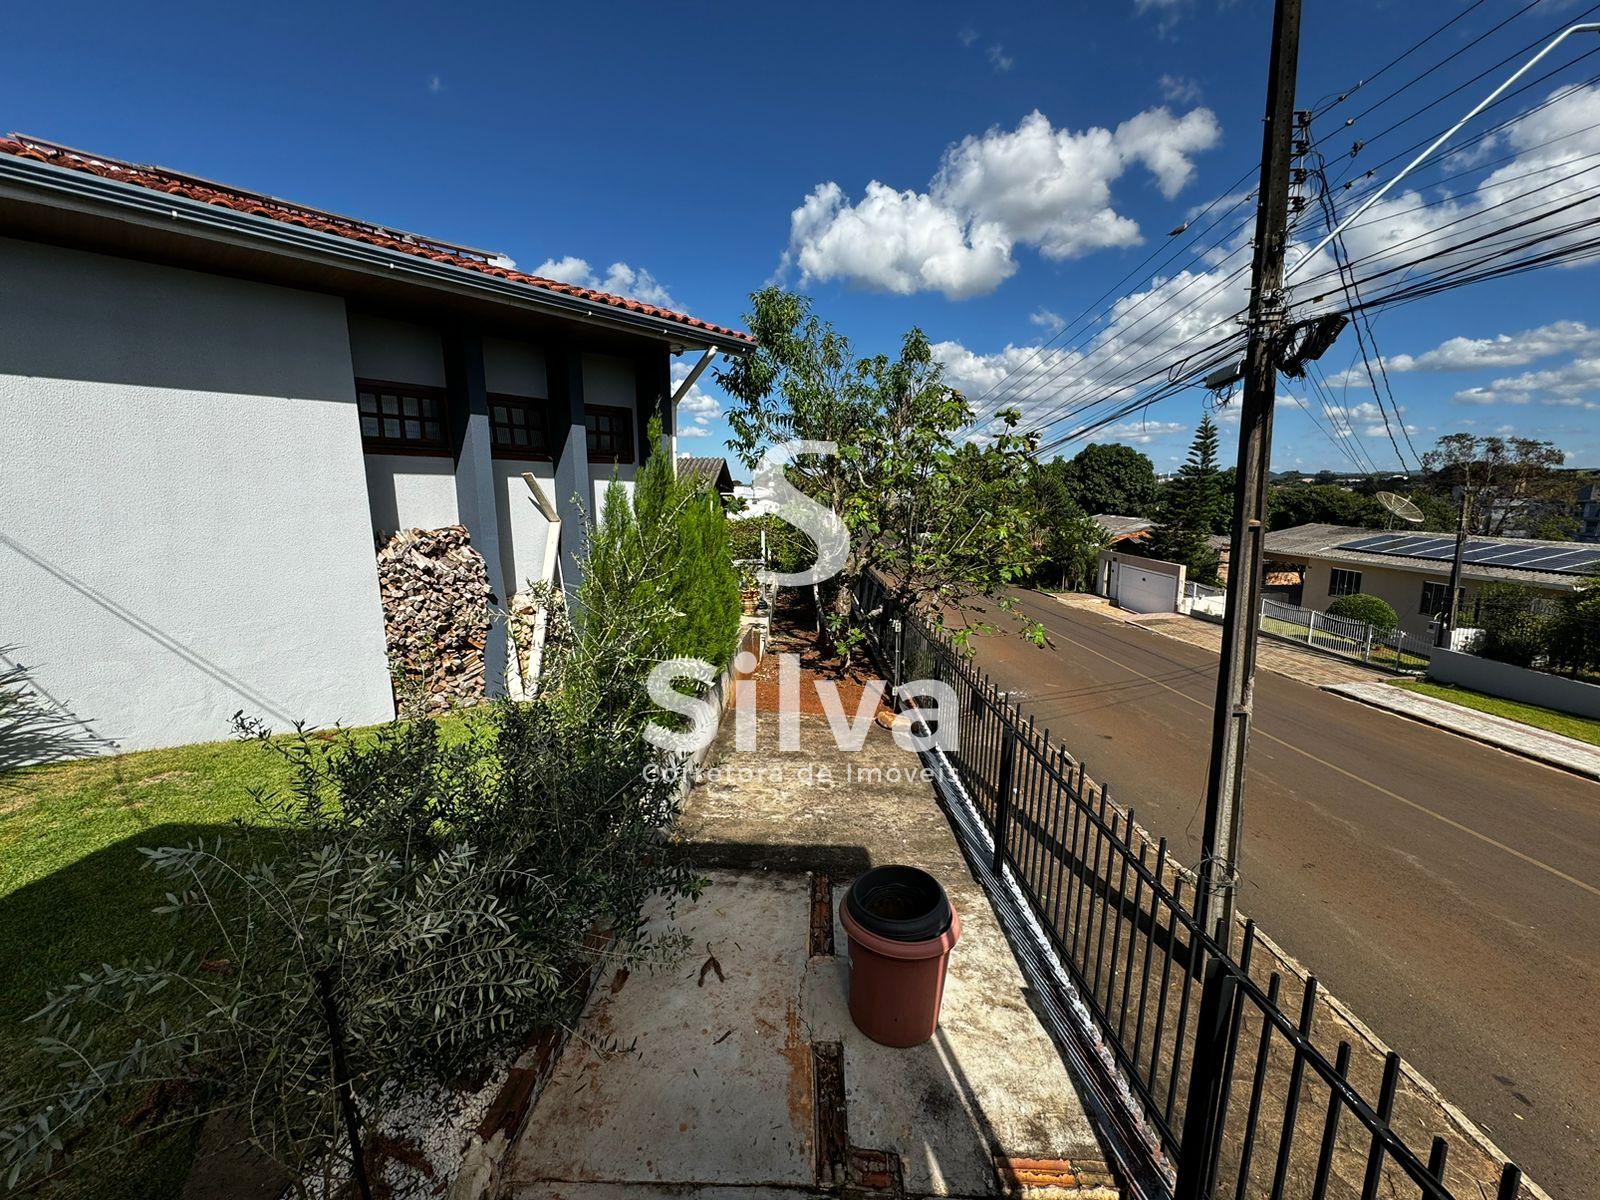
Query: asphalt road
1448	892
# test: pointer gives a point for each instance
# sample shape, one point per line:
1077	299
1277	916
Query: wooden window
610	433
1344	583
519	427
402	418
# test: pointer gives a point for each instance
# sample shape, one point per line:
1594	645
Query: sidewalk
748	1078
1552	749
1285	658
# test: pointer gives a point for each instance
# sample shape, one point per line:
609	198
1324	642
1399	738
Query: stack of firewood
436	615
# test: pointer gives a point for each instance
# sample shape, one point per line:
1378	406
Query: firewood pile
436	598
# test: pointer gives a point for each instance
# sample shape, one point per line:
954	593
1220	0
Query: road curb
1526	752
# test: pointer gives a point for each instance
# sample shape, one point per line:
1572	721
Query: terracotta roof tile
159	180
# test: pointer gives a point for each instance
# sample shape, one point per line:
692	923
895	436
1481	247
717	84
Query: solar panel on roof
1371	543
1560	560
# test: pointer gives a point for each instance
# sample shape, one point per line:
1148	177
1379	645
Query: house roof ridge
192	187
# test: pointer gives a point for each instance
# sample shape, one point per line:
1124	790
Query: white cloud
698	409
999	59
435	84
1168	12
1503	350
620	279
1035	185
1554	167
1141	433
968	35
1054	322
1573	385
901	242
1179	89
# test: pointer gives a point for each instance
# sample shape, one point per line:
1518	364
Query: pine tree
1192	506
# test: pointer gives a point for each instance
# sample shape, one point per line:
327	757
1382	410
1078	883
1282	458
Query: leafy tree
939	520
1112	478
1511	483
1192	506
1068	540
1575	631
1374	610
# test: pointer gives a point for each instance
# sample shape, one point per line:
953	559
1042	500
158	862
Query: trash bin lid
902	904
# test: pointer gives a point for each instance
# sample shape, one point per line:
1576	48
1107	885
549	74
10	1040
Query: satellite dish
1400	507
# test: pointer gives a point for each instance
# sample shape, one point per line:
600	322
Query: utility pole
1448	627
1230	730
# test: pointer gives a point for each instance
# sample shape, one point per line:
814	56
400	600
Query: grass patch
73	896
1584	729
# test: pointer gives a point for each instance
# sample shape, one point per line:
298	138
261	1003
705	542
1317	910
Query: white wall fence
1515	683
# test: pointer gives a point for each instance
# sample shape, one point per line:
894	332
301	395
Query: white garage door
1145	591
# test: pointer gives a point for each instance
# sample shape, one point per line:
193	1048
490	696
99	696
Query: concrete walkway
747	1076
1552	749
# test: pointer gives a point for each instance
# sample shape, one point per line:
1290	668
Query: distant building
1123	529
1412	570
1589	513
712	470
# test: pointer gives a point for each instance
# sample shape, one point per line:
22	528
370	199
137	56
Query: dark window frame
621	432
422	446
1343	575
1436	595
536	416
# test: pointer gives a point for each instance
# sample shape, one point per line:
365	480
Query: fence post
899	670
1311	626
1202	1109
1002	804
1366	646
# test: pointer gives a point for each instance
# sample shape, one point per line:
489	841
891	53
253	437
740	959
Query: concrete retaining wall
1515	683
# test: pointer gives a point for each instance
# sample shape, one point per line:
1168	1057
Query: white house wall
410	491
183	513
524	532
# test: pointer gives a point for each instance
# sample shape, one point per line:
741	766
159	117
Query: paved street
1448	892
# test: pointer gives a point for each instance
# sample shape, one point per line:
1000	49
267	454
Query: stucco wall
1515	683
524	531
410	491
183	505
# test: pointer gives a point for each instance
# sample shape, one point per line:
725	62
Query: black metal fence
1236	1090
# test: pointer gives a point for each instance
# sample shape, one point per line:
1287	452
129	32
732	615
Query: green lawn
72	896
1584	729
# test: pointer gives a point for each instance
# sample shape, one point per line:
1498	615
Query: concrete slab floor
718	1088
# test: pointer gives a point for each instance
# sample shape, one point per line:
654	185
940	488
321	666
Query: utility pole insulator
1232	712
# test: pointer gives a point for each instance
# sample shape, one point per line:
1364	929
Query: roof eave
132	202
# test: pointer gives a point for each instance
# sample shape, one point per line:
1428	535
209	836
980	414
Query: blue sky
980	171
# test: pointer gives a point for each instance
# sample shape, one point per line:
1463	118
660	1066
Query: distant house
1412	570
216	400
1123	529
713	471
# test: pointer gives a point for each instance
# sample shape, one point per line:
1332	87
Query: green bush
1515	630
1374	611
